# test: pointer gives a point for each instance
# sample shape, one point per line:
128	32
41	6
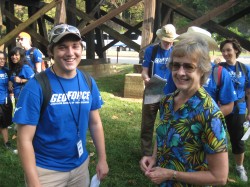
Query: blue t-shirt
239	86
55	140
161	60
25	73
225	94
4	93
37	57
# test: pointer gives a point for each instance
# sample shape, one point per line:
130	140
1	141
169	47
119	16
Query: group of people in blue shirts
16	69
229	93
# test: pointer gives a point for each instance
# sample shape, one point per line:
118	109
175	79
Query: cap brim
59	37
212	44
166	39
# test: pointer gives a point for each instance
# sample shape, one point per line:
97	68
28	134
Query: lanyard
78	117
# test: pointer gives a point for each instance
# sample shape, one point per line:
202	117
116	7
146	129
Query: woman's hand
147	163
158	175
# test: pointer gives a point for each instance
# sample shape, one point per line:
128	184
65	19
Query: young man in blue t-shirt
52	145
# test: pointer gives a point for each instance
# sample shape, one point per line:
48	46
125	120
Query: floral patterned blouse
185	136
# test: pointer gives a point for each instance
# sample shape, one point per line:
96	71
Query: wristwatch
174	176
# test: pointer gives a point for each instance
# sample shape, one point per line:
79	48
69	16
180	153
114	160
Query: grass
121	120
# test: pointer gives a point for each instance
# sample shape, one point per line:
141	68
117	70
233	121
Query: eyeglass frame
184	66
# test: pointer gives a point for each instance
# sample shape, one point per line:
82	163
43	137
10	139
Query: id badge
79	148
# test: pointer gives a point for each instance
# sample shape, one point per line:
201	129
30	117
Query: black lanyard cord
78	117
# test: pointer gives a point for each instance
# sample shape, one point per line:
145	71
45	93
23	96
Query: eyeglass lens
186	66
59	30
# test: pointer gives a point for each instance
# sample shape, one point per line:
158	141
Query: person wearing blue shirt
33	55
20	70
231	49
5	102
52	145
154	64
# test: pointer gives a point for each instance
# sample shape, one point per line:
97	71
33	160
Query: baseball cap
59	31
167	33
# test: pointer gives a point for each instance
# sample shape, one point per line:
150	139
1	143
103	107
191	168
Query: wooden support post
60	16
1	21
148	22
71	18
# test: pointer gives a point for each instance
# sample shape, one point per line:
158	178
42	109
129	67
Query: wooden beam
110	15
167	16
29	3
127	33
29	21
235	17
110	31
214	27
180	9
210	15
60	16
31	31
210	25
123	24
1	13
1	20
148	22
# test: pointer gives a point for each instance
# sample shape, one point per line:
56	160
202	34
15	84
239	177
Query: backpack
242	67
33	60
217	78
43	80
154	52
245	72
217	75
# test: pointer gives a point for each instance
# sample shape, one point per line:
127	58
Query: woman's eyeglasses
189	68
57	30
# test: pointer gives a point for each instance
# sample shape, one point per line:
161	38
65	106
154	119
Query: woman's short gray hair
197	49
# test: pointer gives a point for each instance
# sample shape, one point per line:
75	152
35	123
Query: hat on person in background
202	33
59	31
24	35
167	33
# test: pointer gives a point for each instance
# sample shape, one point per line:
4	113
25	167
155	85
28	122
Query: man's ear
50	54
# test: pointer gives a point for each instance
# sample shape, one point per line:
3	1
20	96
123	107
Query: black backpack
242	67
43	80
154	52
